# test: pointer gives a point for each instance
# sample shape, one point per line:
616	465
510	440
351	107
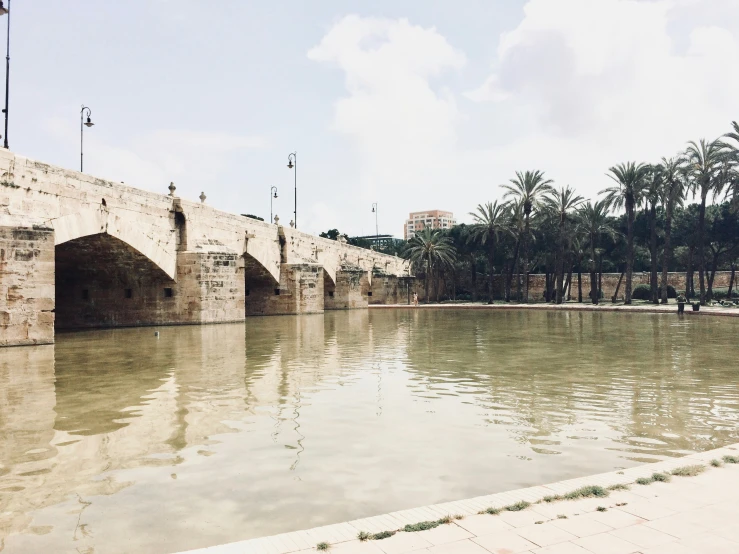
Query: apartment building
435	219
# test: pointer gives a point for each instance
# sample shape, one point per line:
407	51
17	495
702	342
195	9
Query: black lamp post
375	211
292	162
84	124
272	194
6	11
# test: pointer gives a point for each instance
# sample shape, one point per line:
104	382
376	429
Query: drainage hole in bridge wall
129	293
277	292
168	293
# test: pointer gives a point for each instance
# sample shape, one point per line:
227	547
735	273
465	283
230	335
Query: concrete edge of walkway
644	309
345	532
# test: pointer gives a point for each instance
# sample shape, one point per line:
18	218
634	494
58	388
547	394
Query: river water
120	441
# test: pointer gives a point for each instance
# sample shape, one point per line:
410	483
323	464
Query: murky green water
116	441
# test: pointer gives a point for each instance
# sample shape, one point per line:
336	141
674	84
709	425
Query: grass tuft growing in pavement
364	536
716	463
619	487
323	546
688	471
490	511
518	506
602	509
587	492
731	459
661	477
382	535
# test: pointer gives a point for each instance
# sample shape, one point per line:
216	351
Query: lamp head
89	122
290	164
373	209
275	196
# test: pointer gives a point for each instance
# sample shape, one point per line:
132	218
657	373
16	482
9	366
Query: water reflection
119	441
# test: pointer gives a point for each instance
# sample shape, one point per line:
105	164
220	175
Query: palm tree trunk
654	296
702	245
593	283
428	274
514	262
689	289
568	284
600	276
491	262
629	248
560	266
731	279
579	283
526	261
473	267
667	253
618	287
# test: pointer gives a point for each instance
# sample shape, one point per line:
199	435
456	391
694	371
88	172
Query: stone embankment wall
537	284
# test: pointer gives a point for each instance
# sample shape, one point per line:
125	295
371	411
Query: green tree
489	223
707	170
594	222
431	248
561	203
627	193
673	194
332	234
651	198
529	189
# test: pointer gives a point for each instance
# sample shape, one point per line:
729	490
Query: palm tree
627	193
433	249
560	204
707	170
490	221
652	196
529	189
734	174
514	226
673	193
594	222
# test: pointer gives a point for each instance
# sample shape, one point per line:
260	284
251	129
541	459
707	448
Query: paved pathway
573	306
688	515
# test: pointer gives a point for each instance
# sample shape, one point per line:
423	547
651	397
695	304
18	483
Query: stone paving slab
694	515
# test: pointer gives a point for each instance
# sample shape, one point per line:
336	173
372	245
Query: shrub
688	471
643	292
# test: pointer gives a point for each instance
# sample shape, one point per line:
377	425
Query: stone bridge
81	252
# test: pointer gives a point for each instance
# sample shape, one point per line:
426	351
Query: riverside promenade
643	308
687	505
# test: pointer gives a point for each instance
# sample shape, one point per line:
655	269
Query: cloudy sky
417	104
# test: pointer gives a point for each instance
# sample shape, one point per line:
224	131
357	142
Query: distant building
435	219
380	241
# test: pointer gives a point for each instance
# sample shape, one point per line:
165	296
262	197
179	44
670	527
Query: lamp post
84	124
6	11
375	211
292	162
271	196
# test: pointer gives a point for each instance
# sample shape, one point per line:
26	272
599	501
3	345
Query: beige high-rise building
436	219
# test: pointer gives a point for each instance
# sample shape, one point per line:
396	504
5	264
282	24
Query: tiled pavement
688	515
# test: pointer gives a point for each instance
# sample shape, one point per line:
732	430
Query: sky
413	104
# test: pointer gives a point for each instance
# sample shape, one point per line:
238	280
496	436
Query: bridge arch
126	229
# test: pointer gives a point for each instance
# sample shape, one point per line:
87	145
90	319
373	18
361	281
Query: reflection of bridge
77	251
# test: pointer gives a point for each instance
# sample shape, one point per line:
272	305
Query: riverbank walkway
692	514
671	308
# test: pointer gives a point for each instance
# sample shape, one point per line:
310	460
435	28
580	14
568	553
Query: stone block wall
300	291
389	289
26	285
210	287
350	291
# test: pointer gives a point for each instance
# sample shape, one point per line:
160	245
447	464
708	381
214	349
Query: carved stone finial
292	223
202	198
172	188
277	220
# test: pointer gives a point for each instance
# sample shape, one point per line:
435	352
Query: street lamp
271	196
6	11
292	162
84	124
375	211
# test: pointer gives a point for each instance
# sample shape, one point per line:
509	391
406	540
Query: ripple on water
294	422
